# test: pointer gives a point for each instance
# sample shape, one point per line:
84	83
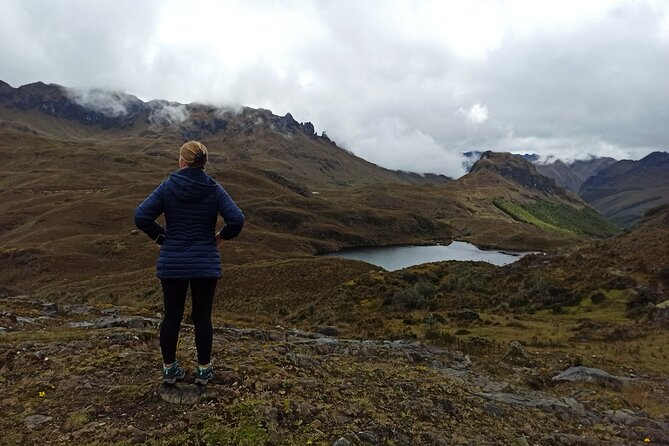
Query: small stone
341	441
50	309
305	410
136	435
228	377
274	335
493	410
434	318
518	356
8	402
269	414
328	330
134	232
369	437
136	323
36	421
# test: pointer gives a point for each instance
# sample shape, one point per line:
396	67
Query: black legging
174	293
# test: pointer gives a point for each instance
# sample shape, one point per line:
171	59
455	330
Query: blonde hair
194	153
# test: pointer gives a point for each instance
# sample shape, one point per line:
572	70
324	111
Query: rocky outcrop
519	170
287	124
108	110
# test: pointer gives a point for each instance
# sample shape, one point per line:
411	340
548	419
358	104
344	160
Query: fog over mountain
407	85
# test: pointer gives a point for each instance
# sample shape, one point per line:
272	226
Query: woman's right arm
232	215
147	212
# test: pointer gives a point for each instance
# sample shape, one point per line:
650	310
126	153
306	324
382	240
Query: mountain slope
625	190
516	188
75	167
236	136
572	175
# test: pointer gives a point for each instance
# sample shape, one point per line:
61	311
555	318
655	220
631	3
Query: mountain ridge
625	190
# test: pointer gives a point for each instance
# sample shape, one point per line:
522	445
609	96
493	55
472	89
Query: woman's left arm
147	212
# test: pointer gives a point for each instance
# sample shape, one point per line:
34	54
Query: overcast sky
405	84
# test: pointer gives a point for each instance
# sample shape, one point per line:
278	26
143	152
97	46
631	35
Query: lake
393	258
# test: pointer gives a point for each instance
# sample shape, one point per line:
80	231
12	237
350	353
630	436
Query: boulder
329	330
589	374
517	355
180	393
36	421
50	309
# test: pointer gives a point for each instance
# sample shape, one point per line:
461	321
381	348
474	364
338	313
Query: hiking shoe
203	376
173	374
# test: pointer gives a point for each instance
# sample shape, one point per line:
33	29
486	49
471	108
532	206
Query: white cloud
440	77
477	114
393	144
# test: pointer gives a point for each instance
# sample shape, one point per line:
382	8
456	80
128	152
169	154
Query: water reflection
397	257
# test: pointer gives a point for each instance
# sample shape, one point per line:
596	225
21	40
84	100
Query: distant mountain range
624	191
621	190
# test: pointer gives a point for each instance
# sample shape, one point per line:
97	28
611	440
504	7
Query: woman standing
189	252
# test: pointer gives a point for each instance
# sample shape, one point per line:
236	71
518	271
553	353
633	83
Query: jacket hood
191	184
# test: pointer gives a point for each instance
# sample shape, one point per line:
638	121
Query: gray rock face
36	421
542	402
118	321
180	393
588	374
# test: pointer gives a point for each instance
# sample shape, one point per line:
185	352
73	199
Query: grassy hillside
558	217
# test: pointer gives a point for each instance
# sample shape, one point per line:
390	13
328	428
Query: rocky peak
516	168
288	124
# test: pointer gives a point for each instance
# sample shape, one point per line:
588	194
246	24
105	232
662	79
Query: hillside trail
80	374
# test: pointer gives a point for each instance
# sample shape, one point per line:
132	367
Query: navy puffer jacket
191	201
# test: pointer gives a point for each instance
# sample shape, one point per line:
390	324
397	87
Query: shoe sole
204	382
173	380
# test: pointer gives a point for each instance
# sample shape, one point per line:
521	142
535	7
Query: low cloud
393	144
109	103
168	114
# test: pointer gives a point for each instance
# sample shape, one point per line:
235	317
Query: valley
313	349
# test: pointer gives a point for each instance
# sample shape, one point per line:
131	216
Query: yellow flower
646	440
42	394
310	442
